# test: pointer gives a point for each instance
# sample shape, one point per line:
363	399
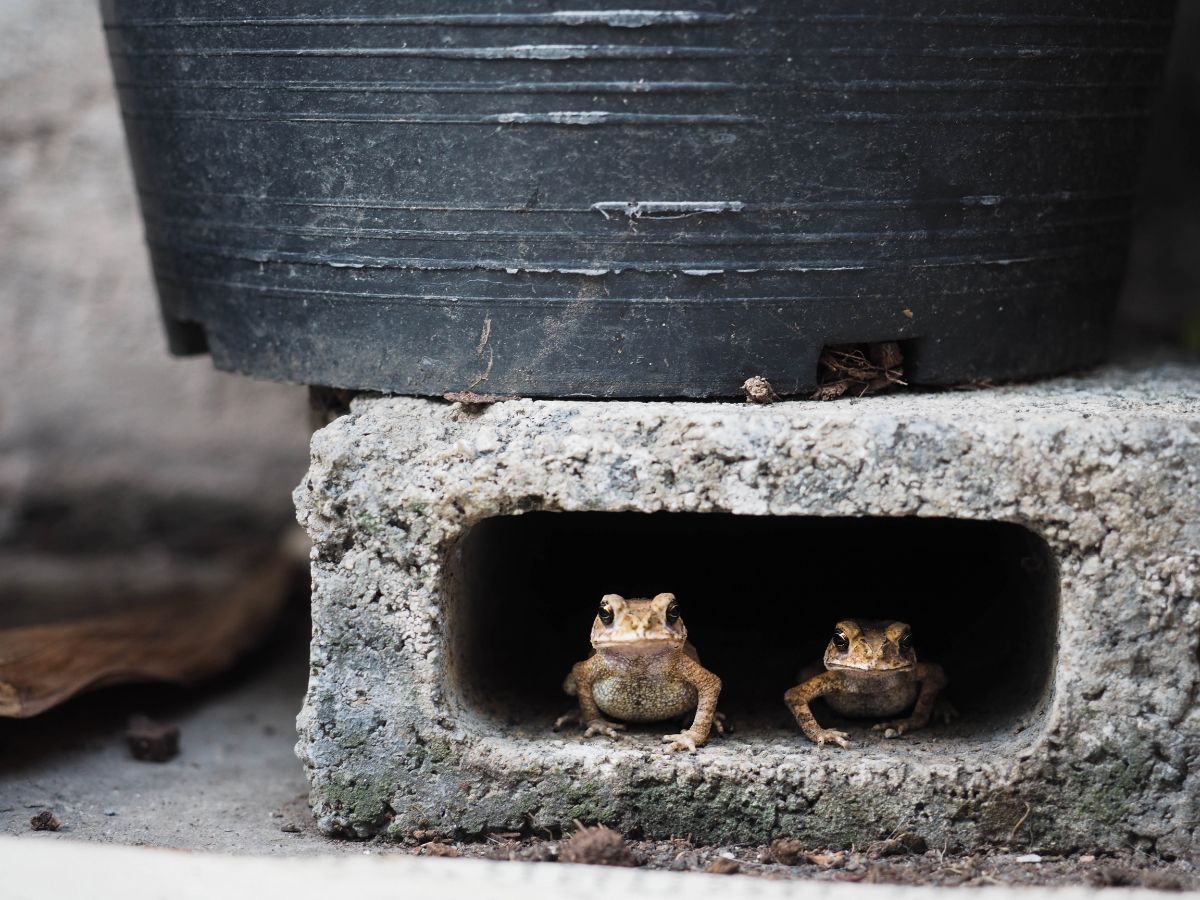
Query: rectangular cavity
760	597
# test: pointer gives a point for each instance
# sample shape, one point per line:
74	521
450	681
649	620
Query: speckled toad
642	669
870	669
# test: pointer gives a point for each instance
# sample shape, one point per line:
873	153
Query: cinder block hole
760	597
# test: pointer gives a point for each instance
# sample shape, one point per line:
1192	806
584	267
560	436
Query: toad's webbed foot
831	736
594	727
567	718
896	728
604	727
686	740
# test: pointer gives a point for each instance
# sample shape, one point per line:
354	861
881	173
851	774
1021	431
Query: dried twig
862	368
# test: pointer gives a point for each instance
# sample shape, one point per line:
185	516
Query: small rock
151	741
290	828
758	390
788	852
110	812
543	851
722	865
598	846
834	860
1087	858
45	821
1028	858
685	861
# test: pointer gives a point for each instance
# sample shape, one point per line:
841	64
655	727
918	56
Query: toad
642	669
870	669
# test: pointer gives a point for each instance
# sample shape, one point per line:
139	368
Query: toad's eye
906	640
605	614
673	613
840	640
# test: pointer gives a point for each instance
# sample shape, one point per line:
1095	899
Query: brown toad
870	669
642	669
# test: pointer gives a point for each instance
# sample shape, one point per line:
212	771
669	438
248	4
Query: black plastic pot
526	196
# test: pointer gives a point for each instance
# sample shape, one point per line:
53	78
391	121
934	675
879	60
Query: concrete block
1043	541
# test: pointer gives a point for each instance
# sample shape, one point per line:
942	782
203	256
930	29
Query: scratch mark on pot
484	335
555	117
601	117
636	18
486	373
543	52
652	209
560	270
616	18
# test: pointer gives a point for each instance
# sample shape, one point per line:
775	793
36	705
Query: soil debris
834	859
470	398
437	848
791	859
904	843
597	846
152	741
859	369
1117	876
758	390
791	852
45	821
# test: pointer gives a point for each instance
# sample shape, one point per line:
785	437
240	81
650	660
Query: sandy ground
236	787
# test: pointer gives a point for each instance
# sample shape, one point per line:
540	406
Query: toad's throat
638	646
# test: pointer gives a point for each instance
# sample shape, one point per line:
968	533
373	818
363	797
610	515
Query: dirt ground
236	787
931	867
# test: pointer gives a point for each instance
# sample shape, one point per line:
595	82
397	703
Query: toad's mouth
872	666
638	644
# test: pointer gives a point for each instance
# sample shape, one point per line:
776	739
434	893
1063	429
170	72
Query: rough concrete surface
406	729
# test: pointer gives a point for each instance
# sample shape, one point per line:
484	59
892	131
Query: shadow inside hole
760	597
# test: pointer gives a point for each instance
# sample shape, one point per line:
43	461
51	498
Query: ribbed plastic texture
587	199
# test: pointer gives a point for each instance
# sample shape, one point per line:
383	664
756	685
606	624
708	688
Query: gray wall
1162	293
97	423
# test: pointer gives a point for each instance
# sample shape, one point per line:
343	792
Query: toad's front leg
797	700
582	676
708	689
932	678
